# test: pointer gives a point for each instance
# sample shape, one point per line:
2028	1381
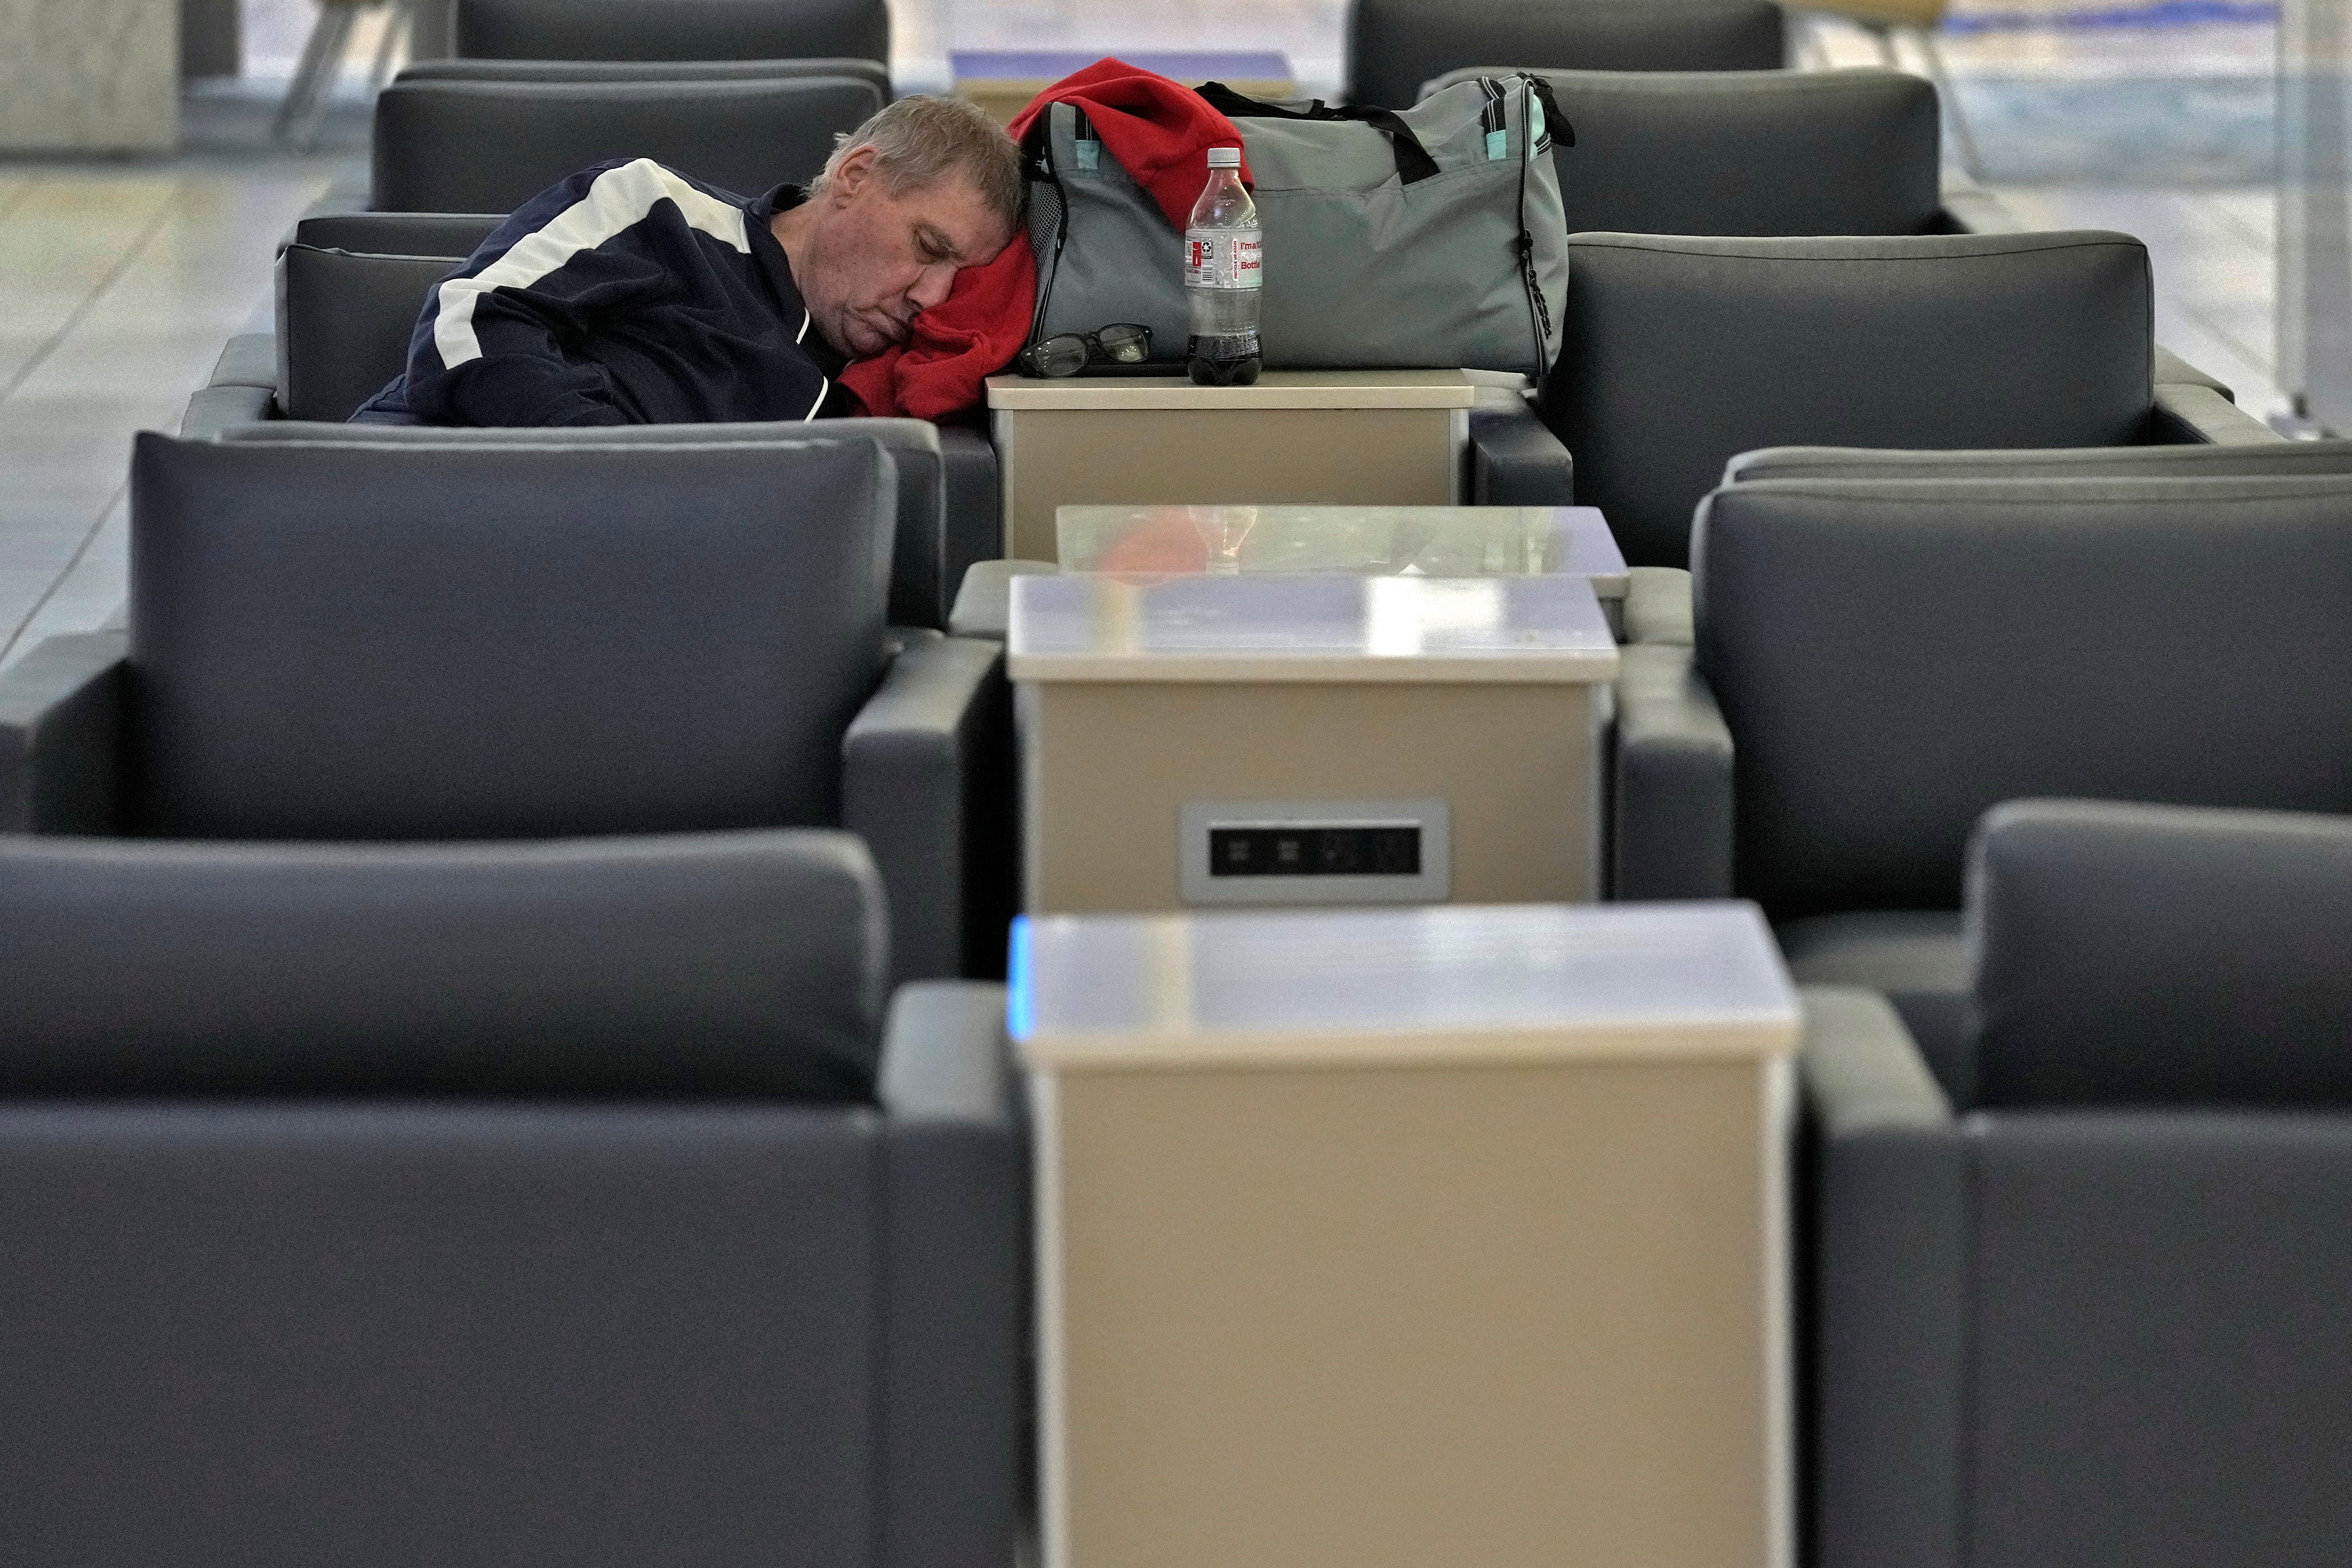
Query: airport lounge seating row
350	287
578	1199
472	1081
1782	752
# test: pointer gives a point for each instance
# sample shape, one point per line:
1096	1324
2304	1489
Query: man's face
874	260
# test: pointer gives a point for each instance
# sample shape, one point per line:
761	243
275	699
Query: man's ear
853	172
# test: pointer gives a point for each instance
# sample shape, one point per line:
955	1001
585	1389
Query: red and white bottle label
1221	258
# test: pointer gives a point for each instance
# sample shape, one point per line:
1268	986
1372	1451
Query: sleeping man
630	294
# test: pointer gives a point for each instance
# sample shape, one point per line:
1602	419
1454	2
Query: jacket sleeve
490	347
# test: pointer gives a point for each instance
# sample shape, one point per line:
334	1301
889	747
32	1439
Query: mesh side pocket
1045	214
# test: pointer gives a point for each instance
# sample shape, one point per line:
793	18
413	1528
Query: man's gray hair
920	141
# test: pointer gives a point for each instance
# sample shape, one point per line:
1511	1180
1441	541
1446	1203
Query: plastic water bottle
1222	250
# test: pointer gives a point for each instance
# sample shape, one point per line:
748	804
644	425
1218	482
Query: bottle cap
1224	157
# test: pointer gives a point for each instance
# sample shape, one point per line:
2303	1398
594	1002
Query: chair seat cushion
1917	958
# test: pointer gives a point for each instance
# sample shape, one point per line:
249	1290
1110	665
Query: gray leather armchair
344	636
1749	153
1878	662
1394	46
344	319
676	30
2084	1308
1678	354
743	134
517	1202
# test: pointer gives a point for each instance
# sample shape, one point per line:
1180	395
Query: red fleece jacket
1160	132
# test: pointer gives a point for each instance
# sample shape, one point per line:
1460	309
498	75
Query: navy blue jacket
629	294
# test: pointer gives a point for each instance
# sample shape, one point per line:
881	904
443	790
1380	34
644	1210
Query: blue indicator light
1019	1006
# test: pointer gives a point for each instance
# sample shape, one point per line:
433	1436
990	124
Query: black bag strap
1413	160
1540	95
1241	106
1046	210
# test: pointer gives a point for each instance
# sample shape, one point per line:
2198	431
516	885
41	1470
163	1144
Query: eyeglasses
1066	353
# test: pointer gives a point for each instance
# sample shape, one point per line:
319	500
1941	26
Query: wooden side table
1278	740
1390	437
1400	1237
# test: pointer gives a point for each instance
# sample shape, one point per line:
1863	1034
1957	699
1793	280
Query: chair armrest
1672	804
248	359
453	235
946	1057
1864	1074
2171	370
1969	210
2187	414
1658	606
212	409
984	605
974	529
1514	457
61	736
954	1269
927	781
1884	1210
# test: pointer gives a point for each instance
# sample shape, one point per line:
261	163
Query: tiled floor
117	289
119	282
2214	254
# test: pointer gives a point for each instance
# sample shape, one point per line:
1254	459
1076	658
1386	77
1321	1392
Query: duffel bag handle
1413	160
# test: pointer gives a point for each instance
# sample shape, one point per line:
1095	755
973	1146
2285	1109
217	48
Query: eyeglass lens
1061	355
1125	343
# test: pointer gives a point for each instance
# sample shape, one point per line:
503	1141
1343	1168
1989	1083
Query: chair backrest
874	71
925	568
363	640
434	140
1746	152
2265	459
1893	657
673	30
1677	353
734	963
2133	954
344	321
1395	46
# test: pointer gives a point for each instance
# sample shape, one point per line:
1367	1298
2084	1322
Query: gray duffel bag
1426	237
